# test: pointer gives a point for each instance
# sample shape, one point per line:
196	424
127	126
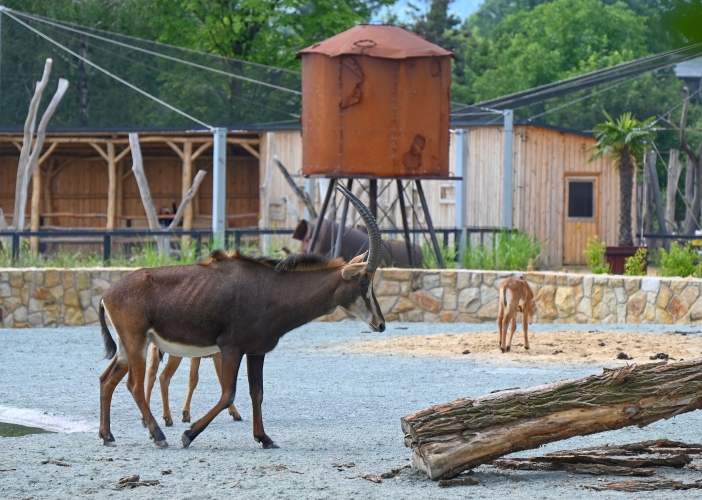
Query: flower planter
616	256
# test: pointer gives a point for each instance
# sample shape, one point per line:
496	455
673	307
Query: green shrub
595	255
636	265
448	254
507	251
680	262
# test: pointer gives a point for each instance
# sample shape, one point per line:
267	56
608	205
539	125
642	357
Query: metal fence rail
107	237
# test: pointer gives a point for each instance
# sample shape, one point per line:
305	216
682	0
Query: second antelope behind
232	304
515	296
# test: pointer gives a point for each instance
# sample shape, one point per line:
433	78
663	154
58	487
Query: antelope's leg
512	329
525	326
503	331
154	361
217	359
165	381
109	379
500	318
193	379
254	365
135	383
231	359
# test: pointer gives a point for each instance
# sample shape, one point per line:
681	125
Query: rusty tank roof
390	42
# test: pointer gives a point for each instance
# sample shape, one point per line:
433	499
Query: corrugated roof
390	42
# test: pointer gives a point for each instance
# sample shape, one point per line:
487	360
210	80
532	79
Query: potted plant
624	140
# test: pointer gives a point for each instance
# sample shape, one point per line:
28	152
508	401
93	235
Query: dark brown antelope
515	296
165	380
232	304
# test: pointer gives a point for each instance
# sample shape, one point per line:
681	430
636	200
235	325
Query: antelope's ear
352	269
358	258
538	297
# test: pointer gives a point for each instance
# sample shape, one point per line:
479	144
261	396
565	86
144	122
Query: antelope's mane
293	262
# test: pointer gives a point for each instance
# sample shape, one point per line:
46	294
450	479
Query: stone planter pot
616	256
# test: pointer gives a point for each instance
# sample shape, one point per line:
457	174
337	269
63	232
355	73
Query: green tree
623	140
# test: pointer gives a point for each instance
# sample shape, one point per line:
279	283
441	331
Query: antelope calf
515	296
165	380
234	305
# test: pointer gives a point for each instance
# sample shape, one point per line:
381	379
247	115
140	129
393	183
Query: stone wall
57	297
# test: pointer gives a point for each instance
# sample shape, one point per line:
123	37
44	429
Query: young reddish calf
515	296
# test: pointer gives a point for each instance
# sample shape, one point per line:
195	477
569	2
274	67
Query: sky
460	8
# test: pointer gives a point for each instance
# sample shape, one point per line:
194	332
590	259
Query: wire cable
158	54
99	68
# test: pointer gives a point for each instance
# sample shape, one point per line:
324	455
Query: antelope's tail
503	297
110	346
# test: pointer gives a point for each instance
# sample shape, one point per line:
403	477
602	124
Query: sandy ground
563	346
335	414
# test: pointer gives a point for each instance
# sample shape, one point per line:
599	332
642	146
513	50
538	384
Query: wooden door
581	220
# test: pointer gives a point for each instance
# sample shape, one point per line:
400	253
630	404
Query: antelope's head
530	307
356	293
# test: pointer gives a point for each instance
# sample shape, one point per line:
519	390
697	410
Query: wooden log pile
450	438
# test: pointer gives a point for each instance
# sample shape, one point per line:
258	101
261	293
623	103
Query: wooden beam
111	187
175	148
17	145
251	150
186	181
120	191
47	190
46	154
34	210
201	150
122	154
150	139
100	150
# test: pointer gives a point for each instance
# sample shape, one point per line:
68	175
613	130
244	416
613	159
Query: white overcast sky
460	8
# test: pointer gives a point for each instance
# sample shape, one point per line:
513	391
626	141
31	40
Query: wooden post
674	171
119	210
48	205
34	209
111	187
450	438
187	179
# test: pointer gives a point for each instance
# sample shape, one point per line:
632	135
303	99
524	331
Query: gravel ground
322	407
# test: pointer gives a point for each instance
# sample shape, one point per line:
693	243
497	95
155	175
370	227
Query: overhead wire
158	54
103	70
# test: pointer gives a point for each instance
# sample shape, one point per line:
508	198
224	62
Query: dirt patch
565	346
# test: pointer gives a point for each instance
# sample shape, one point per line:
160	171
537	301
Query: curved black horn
374	252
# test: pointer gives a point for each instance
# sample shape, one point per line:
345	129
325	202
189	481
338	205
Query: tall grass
506	251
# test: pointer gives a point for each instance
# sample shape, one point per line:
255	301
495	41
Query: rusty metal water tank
375	103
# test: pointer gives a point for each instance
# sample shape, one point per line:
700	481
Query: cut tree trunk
451	438
674	171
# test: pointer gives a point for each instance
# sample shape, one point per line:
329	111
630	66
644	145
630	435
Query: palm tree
624	141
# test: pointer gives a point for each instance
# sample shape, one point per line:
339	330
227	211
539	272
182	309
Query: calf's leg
193	379
165	381
525	326
154	361
254	365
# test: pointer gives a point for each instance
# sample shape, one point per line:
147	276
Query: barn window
581	199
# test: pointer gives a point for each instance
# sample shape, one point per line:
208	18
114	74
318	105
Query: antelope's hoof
185	440
267	442
169	421
109	443
186	416
161	444
502	349
509	348
143	423
270	446
235	416
526	347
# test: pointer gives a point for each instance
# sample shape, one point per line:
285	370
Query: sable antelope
230	304
515	296
165	380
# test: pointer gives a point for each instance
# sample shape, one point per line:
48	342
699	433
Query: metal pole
219	182
106	247
320	219
311	188
342	222
427	217
508	169
461	138
405	225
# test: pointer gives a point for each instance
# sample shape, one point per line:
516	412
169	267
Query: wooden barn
76	167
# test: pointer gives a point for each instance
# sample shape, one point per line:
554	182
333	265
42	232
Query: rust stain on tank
376	101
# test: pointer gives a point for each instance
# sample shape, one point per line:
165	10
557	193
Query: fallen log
451	438
648	485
